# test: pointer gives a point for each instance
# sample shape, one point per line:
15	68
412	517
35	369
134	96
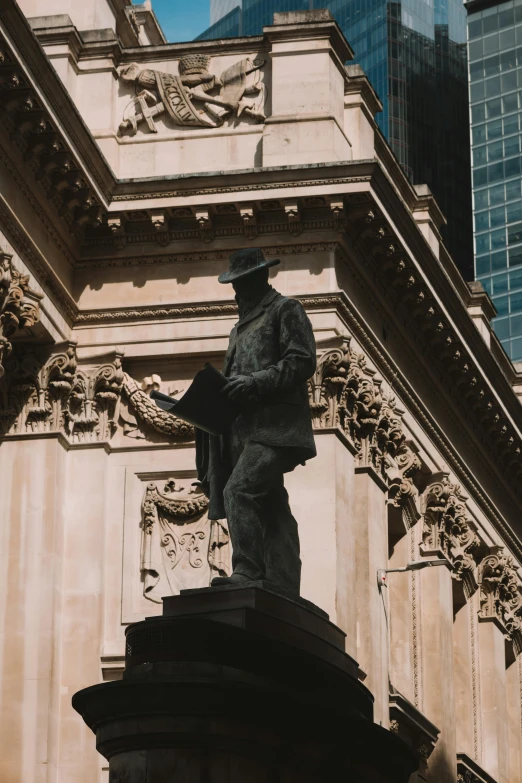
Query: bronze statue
270	358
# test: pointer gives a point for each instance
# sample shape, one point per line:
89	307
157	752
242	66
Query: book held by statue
203	404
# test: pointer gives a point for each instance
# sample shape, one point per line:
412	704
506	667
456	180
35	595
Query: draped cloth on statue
175	98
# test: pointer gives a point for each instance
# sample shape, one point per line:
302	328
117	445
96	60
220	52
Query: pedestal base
240	685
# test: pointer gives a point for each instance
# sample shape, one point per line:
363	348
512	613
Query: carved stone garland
500	597
19	305
448	531
345	393
148	412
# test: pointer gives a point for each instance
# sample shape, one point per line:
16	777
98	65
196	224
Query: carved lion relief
195	98
181	547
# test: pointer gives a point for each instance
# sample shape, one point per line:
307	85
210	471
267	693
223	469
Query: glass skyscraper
495	74
414	53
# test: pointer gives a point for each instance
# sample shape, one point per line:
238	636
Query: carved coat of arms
181	547
196	98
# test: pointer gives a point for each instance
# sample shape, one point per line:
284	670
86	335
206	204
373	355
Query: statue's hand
240	387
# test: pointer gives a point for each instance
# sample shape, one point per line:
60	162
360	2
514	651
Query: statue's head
130	73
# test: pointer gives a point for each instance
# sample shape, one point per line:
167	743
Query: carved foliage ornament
58	396
195	98
401	472
181	548
19	305
500	597
84	405
448	530
345	393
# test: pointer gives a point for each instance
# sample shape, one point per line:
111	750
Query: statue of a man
271	356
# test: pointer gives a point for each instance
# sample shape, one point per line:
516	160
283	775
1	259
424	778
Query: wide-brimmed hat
244	262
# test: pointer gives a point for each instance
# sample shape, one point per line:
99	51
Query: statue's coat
275	344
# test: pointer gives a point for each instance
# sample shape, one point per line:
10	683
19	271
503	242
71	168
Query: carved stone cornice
27	65
19	305
500	594
414	729
449	532
400	280
468	771
345	393
46	151
207	229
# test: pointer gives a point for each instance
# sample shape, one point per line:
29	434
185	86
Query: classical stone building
129	170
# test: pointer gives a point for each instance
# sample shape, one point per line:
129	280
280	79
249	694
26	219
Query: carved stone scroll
345	393
19	305
449	531
181	548
402	492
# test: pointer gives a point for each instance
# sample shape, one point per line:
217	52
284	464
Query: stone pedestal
240	684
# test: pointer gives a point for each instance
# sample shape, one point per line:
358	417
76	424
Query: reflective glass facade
414	53
229	26
220	8
495	75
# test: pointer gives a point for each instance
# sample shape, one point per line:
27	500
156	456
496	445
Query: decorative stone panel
181	548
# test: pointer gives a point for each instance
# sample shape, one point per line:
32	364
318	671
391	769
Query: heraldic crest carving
181	547
196	98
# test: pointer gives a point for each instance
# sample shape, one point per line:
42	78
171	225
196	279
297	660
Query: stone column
307	121
31	560
493	700
466	673
78	597
321	498
403	599
371	553
436	652
514	708
498	597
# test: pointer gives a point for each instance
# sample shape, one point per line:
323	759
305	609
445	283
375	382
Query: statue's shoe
233	579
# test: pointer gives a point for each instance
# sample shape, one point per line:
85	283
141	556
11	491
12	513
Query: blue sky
182	20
